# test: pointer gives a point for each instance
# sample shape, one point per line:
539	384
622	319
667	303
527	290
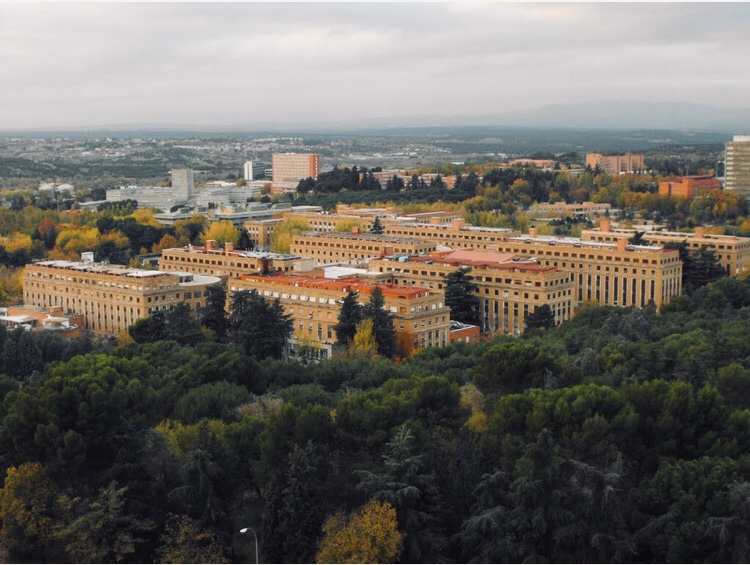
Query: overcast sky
223	64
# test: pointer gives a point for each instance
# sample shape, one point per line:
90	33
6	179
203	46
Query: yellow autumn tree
28	506
182	439
369	536
363	343
16	241
11	286
221	232
146	217
72	241
471	397
346	227
284	232
167	241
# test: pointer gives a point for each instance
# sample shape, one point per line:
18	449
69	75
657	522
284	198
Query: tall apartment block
248	170
290	168
615	164
737	165
110	297
182	185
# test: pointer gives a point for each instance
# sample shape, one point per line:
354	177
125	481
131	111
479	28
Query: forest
622	435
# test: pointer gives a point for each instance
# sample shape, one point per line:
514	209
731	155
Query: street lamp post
243	531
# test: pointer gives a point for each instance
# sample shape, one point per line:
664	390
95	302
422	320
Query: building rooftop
577	242
343	285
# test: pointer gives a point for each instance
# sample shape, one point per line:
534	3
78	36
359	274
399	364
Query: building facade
737	165
290	168
615	274
615	164
509	287
688	187
343	247
454	234
732	252
226	262
420	316
110	297
563	209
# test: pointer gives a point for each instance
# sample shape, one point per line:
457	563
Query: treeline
492	196
621	435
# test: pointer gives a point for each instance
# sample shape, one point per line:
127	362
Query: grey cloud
229	62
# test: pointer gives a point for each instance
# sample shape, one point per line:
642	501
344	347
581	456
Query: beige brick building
733	252
509	287
290	168
616	274
110	297
227	262
421	318
614	164
353	247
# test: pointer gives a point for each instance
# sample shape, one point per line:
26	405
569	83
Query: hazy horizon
104	65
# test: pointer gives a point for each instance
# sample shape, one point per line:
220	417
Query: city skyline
82	65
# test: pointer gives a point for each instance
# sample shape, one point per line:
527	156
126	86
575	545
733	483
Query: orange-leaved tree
369	536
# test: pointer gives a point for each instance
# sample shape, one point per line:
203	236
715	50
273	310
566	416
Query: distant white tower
248	170
182	185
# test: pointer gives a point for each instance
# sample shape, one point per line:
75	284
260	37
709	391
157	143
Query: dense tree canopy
618	436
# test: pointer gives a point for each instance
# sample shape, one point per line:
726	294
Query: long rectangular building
225	262
456	234
615	274
509	287
732	252
110	297
354	247
421	318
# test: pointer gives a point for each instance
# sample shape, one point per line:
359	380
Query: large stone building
343	247
455	234
732	252
110	297
615	164
421	318
226	262
509	287
290	168
563	209
616	274
181	193
737	165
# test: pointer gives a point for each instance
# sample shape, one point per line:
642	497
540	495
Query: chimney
700	231
605	225
533	232
355	229
622	244
228	247
435	220
458	223
209	244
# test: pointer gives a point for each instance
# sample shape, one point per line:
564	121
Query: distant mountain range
609	115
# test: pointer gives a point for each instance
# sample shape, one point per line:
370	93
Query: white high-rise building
737	165
248	170
182	185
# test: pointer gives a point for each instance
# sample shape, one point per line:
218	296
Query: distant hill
628	115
